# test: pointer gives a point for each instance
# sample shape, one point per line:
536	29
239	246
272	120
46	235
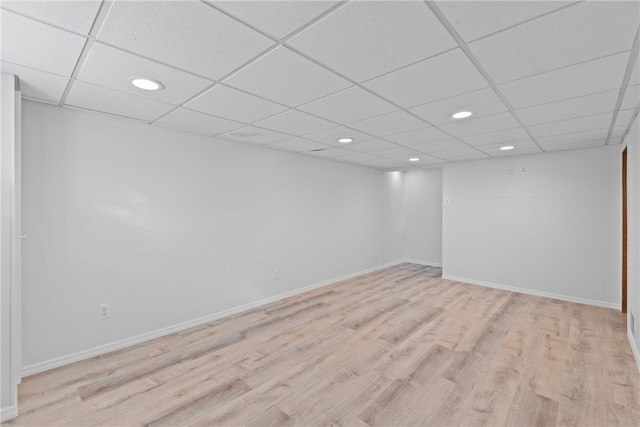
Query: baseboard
8	413
117	345
533	292
634	347
415	261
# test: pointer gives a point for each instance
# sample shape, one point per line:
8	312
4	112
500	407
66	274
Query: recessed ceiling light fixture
461	114
507	147
345	140
145	84
414	159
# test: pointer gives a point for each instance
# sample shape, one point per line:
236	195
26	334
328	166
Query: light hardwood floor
400	346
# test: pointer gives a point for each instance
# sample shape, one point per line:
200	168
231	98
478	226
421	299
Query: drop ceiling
298	75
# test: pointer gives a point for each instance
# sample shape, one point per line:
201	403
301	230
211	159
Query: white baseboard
415	261
533	292
96	351
8	413
634	347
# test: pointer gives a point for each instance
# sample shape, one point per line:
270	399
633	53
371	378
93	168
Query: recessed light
507	147
146	84
345	140
414	159
461	114
245	134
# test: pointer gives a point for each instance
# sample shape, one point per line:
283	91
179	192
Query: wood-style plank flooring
400	346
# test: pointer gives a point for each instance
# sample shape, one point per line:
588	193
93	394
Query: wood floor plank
398	346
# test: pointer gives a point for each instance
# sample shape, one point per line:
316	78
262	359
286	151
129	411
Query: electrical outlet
508	170
523	169
105	311
276	274
358	256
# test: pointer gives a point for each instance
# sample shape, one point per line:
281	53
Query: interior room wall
423	216
633	235
552	228
169	227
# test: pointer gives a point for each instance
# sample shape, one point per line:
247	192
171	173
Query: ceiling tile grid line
436	10
625	83
103	11
526	21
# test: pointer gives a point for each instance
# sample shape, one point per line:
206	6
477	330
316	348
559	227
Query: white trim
567	298
8	413
430	263
95	351
634	347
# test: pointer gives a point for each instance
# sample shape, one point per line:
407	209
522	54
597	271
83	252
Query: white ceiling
298	75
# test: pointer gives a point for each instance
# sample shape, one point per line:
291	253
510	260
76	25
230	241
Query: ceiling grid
298	75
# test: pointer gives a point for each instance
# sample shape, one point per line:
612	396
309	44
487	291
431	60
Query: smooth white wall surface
168	227
553	230
632	142
423	216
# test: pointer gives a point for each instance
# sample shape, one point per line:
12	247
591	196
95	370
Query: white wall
423	216
633	234
9	246
554	230
168	227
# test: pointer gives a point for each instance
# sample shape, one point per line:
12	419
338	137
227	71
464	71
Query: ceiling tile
571	138
197	122
254	135
97	98
574	145
631	97
594	76
440	77
360	157
578	33
474	19
496	137
186	34
286	77
461	154
398	153
112	68
587	105
420	136
37	84
278	18
623	119
223	101
597	121
526	146
364	39
481	102
298	145
40	46
295	123
370	145
388	124
433	147
77	16
486	124
331	136
349	106
331	152
635	73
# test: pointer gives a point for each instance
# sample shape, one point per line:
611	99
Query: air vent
319	149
